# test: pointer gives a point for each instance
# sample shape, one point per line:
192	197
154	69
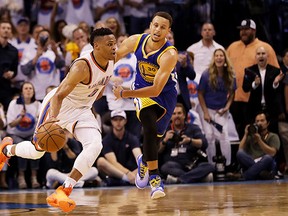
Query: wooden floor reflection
244	198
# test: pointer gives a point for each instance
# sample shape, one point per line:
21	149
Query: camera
252	129
176	138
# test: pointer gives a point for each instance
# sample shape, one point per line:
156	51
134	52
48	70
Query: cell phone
217	126
43	40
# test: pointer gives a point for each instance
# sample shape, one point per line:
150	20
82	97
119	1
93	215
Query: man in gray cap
242	55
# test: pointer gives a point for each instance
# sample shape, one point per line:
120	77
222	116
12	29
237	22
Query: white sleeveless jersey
84	95
76	107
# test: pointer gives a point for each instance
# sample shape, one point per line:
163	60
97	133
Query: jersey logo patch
147	71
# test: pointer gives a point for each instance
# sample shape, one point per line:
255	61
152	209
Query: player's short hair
164	15
99	32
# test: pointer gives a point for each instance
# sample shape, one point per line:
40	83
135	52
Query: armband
164	143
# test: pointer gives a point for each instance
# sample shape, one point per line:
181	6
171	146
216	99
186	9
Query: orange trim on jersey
169	47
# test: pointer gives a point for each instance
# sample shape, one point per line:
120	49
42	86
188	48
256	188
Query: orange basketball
51	137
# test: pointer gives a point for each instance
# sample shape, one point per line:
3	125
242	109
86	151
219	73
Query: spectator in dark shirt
8	64
184	71
120	150
183	149
262	81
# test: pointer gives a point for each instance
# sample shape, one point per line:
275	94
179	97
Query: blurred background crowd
39	39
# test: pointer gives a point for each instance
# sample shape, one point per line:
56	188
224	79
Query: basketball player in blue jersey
154	92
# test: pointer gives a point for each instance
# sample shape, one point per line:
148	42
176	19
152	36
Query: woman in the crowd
216	93
22	117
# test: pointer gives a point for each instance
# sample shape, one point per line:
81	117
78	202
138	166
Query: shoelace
143	170
156	182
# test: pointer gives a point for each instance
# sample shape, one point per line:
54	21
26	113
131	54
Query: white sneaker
142	177
157	187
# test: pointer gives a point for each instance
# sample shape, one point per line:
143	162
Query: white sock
125	178
8	153
69	182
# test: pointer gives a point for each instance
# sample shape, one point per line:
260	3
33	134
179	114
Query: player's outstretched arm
167	63
126	47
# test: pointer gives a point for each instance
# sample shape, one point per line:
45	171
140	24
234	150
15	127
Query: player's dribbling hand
117	91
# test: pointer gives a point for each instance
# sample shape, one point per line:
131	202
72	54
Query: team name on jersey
98	85
102	82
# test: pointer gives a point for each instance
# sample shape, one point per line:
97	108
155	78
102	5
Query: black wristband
164	143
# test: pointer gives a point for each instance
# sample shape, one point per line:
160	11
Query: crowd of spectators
40	39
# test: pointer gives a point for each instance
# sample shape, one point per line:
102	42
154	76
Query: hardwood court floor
242	198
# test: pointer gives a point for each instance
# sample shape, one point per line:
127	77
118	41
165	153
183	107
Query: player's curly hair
98	33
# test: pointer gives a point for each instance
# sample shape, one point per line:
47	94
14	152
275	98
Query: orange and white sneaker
3	158
61	200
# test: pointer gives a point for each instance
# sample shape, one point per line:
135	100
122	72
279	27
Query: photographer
257	150
182	151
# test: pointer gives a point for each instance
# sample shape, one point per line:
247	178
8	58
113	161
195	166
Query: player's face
159	28
107	46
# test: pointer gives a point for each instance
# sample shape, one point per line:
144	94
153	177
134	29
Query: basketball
51	137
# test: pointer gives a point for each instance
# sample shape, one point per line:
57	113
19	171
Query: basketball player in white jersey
70	106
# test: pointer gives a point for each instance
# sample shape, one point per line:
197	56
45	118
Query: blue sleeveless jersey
147	67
